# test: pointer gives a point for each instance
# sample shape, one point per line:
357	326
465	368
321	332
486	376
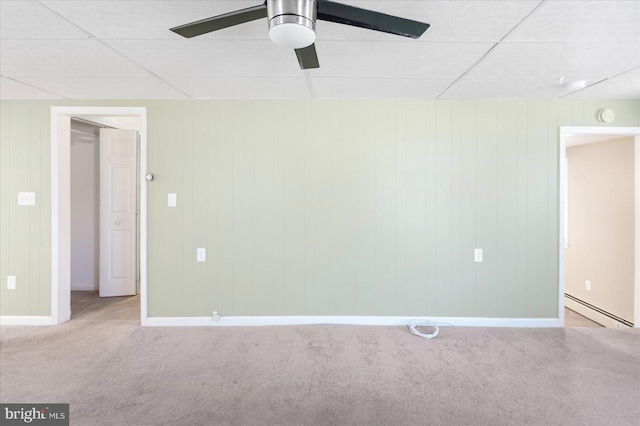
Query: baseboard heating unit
599	310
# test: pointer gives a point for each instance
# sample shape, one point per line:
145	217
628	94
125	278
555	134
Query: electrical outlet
11	282
587	285
26	198
477	255
216	316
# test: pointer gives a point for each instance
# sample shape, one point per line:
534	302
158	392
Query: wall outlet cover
11	282
26	198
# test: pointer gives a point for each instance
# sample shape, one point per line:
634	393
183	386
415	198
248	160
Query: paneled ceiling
474	50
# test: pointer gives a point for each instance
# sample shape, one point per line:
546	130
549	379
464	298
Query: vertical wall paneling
243	244
443	208
431	208
416	211
20	216
173	146
35	212
263	212
45	208
224	278
457	255
343	295
297	247
200	207
385	207
553	208
187	205
537	205
5	202
156	202
486	207
365	207
401	202
277	246
320	173
323	207
469	219
506	258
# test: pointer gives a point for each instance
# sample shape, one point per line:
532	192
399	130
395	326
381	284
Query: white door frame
622	131
60	205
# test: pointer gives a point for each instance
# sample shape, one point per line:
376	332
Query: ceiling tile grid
474	49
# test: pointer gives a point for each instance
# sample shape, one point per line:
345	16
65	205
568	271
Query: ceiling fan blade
363	18
307	57
221	21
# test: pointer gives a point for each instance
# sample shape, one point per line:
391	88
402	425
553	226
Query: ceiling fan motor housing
292	23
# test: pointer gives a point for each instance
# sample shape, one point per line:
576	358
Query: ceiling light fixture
292	23
573	85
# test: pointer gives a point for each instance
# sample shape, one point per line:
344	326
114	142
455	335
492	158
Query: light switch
11	282
172	200
477	255
26	198
201	255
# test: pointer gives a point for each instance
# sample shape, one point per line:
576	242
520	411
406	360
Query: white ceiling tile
399	59
242	87
209	58
615	88
152	19
582	20
371	88
504	88
108	88
11	89
590	40
574	60
63	58
30	20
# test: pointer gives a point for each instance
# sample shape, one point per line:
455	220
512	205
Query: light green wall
324	207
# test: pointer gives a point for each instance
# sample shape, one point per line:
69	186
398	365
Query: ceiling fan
292	23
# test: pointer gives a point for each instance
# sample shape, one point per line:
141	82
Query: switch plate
477	255
172	200
201	255
11	282
26	198
587	285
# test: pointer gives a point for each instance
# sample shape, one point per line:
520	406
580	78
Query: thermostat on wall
606	115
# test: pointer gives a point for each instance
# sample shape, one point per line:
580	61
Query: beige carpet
114	372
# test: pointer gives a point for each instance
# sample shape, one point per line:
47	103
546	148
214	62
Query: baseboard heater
601	311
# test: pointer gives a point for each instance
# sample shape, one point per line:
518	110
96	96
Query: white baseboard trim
25	320
346	320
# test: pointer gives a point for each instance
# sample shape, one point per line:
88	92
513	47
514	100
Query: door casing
60	205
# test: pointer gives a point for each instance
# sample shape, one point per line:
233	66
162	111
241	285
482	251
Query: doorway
61	202
604	172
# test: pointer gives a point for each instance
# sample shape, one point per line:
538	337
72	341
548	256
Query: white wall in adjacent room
84	206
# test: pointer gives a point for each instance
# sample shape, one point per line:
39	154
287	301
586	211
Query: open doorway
599	232
104	243
80	158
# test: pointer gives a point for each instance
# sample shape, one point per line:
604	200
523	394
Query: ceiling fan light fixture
292	31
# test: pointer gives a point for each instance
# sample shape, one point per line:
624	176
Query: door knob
117	222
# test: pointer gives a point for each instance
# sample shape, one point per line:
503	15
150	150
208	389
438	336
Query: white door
117	212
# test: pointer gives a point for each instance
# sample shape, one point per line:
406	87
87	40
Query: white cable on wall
423	323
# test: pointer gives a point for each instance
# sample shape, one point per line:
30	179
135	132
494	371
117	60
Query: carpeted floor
114	372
